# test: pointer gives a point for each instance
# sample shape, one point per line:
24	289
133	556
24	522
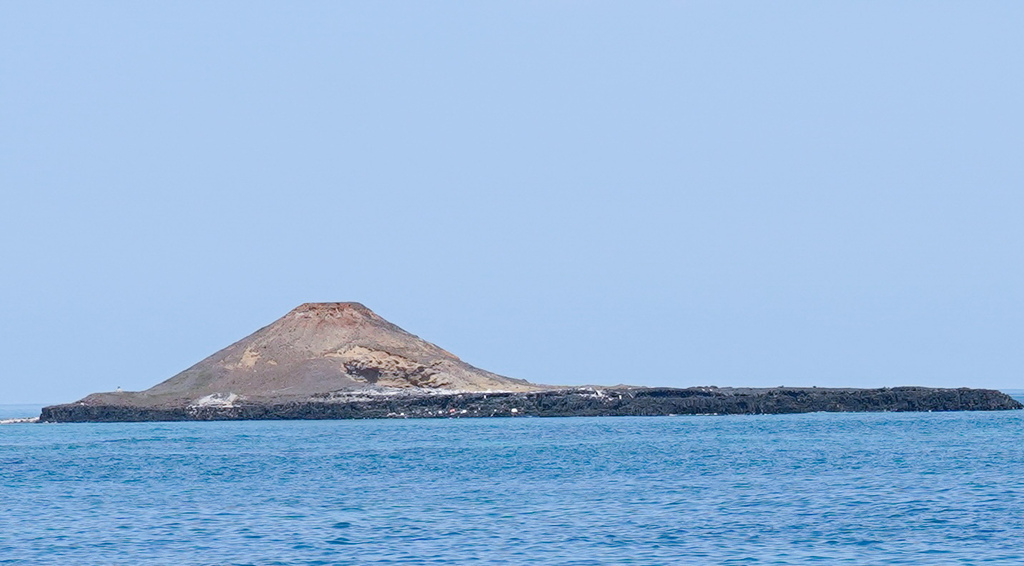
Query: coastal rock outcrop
341	360
568	402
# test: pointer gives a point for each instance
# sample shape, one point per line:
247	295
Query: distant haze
686	193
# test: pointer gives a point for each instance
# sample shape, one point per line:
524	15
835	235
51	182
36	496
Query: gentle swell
869	488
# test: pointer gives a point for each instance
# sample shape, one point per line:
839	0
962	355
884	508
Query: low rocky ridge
568	402
341	360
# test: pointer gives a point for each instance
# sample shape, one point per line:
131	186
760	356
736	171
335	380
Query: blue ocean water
869	488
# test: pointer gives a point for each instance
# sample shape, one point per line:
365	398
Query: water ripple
930	488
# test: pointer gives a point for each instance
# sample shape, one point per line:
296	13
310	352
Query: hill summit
317	349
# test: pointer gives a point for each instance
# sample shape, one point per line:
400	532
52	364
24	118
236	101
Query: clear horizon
668	194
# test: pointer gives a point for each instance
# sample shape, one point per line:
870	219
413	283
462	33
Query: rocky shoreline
565	402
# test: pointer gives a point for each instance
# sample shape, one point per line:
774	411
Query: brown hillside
317	348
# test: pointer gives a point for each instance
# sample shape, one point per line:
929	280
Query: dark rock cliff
620	401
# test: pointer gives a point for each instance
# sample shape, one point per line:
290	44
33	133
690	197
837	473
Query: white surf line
19	421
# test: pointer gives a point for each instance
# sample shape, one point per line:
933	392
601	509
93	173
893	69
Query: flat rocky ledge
566	402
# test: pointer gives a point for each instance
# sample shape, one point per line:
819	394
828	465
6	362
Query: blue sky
662	193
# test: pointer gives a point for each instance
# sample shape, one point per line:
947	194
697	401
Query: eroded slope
317	348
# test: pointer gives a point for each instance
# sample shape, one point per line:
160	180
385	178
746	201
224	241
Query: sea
820	488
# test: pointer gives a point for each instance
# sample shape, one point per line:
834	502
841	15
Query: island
343	361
